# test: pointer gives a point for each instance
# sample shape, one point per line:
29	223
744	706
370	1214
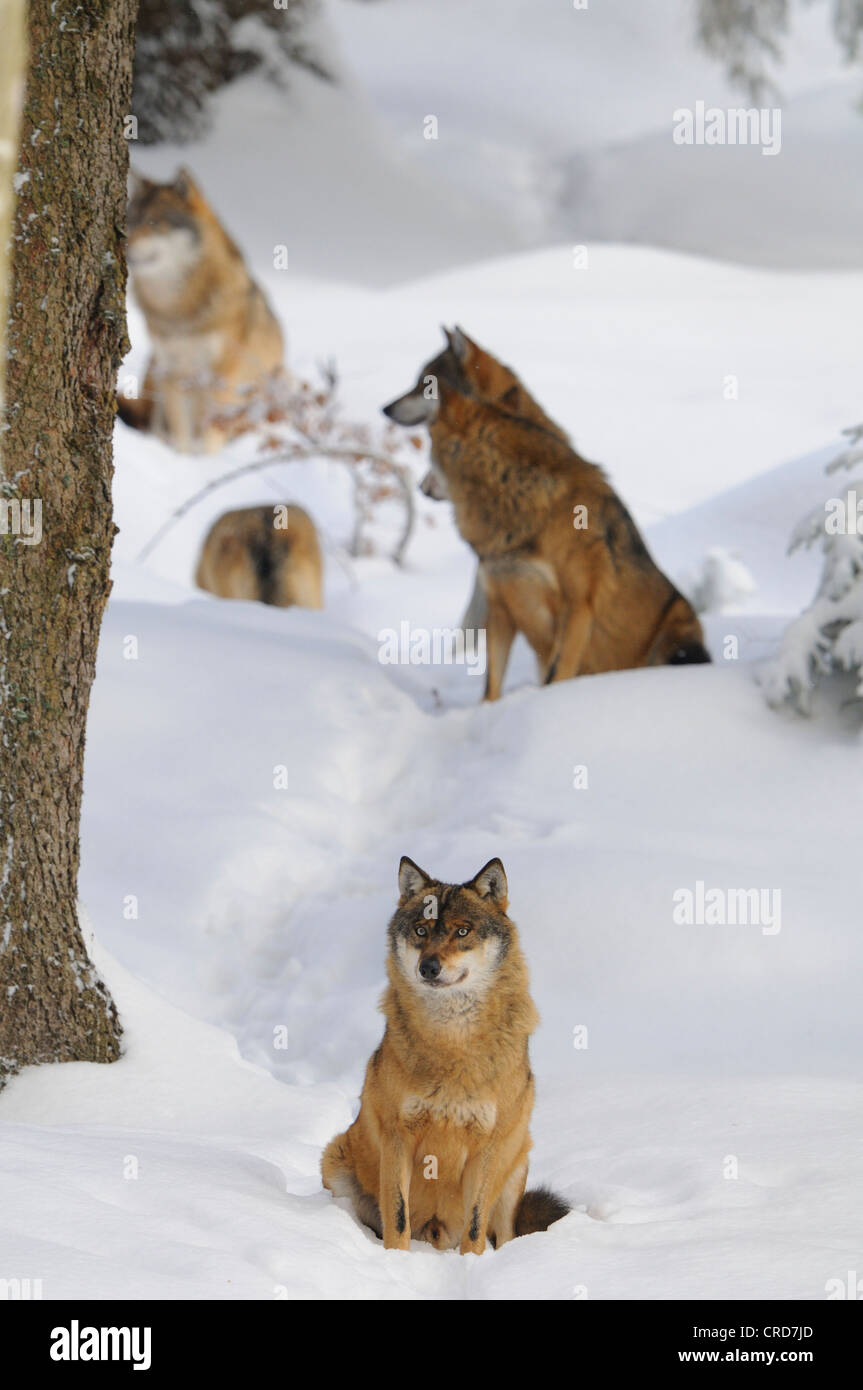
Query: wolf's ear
184	184
490	883
136	183
460	343
411	877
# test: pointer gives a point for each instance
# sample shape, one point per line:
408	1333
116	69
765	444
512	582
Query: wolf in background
489	380
215	339
248	554
588	598
484	377
439	1150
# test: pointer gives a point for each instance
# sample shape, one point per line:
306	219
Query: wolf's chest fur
188	354
449	1107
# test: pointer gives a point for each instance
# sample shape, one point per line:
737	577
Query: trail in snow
708	1134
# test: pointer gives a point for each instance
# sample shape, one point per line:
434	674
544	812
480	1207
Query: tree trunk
65	342
13	68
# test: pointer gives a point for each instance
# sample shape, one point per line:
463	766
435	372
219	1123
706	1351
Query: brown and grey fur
252	554
451	1080
481	375
215	340
486	377
587	600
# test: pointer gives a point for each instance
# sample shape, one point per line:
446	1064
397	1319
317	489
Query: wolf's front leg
502	1220
574	638
500	635
476	1188
396	1165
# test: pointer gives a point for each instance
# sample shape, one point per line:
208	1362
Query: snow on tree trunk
66	338
827	638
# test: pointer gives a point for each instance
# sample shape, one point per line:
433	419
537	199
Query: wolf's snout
432	487
405	410
412	409
430	968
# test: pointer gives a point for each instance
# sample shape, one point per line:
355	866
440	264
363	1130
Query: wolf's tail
689	654
537	1210
134	412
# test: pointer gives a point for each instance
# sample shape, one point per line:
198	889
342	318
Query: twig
343	455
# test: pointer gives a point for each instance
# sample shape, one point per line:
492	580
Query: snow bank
708	1134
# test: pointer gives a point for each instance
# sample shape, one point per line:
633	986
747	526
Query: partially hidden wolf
561	559
270	554
215	340
439	1150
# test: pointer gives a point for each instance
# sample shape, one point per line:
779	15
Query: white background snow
190	1168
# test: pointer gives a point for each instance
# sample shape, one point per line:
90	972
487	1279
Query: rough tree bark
13	67
65	341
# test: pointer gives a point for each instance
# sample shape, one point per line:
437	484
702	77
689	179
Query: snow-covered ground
709	1134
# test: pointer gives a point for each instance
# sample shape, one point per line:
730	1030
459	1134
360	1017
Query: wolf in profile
561	559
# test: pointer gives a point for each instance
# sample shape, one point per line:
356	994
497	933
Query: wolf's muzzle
430	968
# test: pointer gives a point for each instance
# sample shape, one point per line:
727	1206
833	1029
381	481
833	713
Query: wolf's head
420	405
165	226
469	369
450	939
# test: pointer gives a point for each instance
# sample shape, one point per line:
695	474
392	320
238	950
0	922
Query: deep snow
261	909
709	1135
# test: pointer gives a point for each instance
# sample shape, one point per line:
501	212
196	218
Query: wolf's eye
462	931
421	931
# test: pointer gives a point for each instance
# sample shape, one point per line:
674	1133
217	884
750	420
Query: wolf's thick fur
489	379
249	555
439	1150
587	599
481	375
214	337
